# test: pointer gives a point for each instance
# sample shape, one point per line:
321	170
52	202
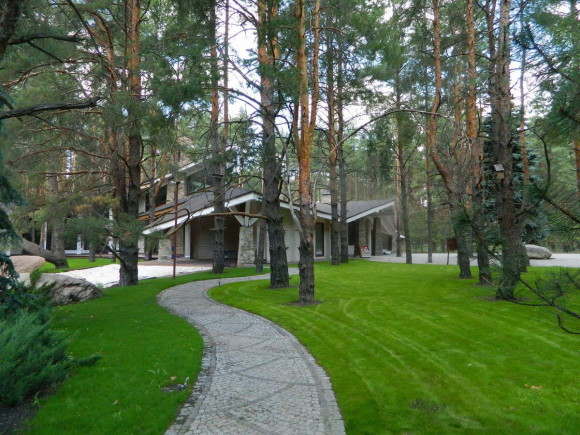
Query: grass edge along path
413	349
144	348
75	263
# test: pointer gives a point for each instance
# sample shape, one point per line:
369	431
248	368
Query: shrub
20	297
32	356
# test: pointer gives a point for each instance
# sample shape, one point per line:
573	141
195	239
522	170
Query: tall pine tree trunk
340	158
473	140
307	121
268	57
128	246
332	158
216	151
503	152
58	230
403	178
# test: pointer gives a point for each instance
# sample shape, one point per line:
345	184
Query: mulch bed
13	420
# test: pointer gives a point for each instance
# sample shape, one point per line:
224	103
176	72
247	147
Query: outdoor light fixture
499	171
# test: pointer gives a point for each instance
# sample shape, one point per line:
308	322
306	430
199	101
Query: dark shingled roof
196	202
355	208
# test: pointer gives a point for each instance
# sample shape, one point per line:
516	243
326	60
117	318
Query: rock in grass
68	290
536	252
27	263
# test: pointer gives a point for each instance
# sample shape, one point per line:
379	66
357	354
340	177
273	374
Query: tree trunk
429	206
268	57
472	137
56	220
216	151
261	248
92	252
462	236
503	153
577	156
307	122
59	260
332	158
341	160
483	264
9	15
128	246
403	179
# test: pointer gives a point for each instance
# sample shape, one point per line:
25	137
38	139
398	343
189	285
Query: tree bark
472	137
403	178
9	15
341	160
56	221
268	53
307	121
577	157
128	245
332	157
261	248
58	259
503	152
216	150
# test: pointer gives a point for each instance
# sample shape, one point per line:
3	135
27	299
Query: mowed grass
143	348
413	349
75	263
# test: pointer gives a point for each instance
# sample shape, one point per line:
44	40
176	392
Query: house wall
292	239
202	237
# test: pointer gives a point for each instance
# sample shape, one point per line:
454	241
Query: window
161	197
196	182
319	239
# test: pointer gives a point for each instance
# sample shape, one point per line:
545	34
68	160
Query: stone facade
362	232
378	248
246	248
164	249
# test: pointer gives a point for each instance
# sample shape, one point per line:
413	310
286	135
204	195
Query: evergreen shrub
32	356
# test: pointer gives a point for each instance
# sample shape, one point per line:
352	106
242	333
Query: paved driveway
557	260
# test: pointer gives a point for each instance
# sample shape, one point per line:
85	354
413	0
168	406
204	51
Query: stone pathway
256	377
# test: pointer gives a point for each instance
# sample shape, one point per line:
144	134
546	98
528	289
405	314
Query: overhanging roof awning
370	211
356	210
168	220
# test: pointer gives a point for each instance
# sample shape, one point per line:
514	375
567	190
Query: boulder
536	252
26	263
68	290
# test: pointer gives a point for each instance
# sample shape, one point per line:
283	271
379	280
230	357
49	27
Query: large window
319	239
160	199
196	182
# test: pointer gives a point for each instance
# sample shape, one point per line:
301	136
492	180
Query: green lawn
142	346
74	263
412	349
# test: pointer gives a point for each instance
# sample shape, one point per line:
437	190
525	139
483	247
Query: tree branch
36	36
32	110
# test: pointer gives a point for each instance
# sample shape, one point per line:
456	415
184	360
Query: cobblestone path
256	377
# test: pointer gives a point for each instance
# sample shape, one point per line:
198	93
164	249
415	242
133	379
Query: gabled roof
198	204
356	210
201	204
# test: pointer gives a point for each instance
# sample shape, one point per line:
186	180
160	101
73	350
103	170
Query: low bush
32	356
20	297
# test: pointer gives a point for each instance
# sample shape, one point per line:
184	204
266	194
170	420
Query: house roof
356	210
201	204
196	205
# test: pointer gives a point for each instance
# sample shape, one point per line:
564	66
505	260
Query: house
371	224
